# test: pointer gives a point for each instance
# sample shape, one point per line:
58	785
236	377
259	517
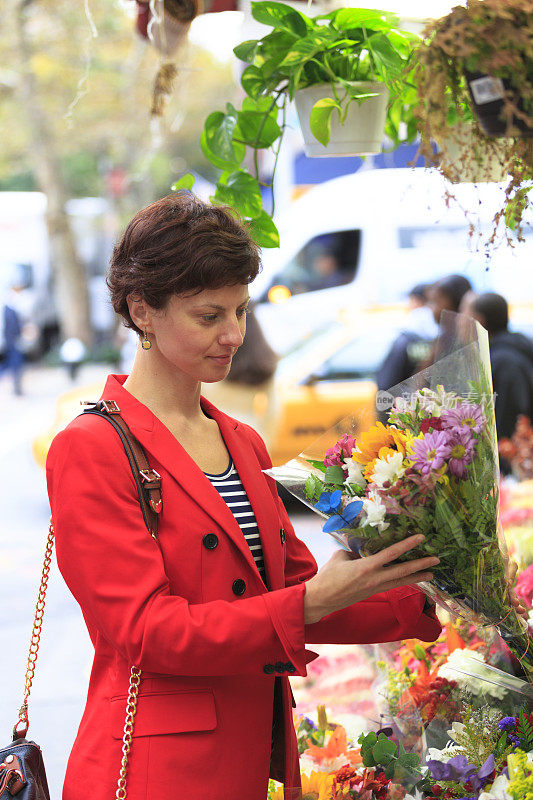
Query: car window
327	260
429	238
358	360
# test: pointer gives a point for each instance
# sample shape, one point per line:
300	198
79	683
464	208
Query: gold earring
146	343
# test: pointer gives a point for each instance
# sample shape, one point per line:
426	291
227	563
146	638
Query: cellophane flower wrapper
430	467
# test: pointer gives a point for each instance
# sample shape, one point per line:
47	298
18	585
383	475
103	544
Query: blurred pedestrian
413	345
249	389
446	295
254	363
511	357
12	325
72	353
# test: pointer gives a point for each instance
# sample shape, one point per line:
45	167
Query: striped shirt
229	485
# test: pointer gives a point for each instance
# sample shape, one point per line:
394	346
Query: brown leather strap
148	481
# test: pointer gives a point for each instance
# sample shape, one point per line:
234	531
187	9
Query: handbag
22	771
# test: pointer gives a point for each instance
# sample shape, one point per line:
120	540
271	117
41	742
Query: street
65	655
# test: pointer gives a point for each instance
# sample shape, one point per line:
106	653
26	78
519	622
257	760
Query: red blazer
209	656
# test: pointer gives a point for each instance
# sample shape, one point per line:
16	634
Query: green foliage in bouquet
377	750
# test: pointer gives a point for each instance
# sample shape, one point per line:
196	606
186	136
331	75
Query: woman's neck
167	392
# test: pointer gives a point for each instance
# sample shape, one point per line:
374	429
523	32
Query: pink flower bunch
524	586
465	416
342	449
454	447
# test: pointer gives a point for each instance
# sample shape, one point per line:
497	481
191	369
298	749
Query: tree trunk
70	279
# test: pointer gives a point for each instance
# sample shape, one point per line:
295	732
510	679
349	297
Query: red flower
431	422
365	786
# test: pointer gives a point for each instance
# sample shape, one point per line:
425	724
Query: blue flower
329	502
344	520
507	723
456	769
459	769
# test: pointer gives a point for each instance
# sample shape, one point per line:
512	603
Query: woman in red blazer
214	627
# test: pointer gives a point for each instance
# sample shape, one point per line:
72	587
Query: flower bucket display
361	131
432	468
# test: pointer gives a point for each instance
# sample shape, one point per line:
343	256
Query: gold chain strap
35	638
135	677
131	709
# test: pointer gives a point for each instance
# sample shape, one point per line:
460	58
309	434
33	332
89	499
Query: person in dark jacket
511	356
413	344
13	356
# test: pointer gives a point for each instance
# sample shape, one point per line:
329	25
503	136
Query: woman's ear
139	311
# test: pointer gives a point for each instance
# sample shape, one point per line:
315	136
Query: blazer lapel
161	443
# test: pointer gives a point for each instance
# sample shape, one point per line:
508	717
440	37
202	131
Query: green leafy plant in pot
336	66
474	76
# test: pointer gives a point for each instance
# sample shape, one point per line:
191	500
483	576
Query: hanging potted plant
474	77
340	68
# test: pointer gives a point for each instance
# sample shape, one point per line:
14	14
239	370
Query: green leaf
304	49
253	81
335	475
384	750
313	487
320	118
217	140
240	191
260	105
257	130
409	760
317	464
280	15
185	182
245	51
367	742
264	231
349	18
388	62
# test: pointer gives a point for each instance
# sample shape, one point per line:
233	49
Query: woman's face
199	334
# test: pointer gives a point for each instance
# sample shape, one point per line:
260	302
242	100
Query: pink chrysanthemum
431	452
462	451
342	449
465	415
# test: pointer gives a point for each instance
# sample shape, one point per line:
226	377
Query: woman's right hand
345	580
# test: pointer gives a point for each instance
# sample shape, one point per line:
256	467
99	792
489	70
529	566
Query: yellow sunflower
373	440
317	786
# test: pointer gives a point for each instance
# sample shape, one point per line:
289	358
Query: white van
364	240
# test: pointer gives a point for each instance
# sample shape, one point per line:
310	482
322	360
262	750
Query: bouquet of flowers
431	467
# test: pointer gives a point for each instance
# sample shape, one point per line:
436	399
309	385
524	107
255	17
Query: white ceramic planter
362	131
480	166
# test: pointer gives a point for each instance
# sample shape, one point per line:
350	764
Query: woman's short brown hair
179	245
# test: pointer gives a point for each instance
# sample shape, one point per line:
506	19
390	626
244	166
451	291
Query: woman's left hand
512	569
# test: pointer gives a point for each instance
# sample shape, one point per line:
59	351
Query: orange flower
377	437
336	746
415	694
